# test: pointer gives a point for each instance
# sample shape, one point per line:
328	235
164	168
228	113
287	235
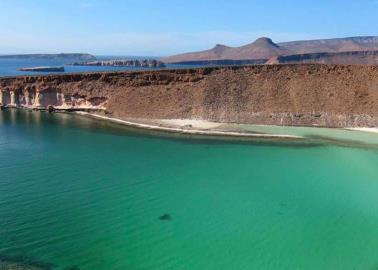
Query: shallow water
79	192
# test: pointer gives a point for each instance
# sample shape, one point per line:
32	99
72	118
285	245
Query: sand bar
188	126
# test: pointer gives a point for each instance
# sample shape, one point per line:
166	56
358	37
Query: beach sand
189	126
371	130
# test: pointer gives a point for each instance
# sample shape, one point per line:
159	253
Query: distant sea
9	66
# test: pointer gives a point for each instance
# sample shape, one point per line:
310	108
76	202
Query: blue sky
164	27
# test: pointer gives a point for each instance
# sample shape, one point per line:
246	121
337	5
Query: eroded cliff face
60	91
308	95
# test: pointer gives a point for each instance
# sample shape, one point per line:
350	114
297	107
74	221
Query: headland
335	96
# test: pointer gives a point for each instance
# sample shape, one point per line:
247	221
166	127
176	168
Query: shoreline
364	129
207	127
158	126
190	126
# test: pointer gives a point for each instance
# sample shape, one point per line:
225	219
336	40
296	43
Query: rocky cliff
322	95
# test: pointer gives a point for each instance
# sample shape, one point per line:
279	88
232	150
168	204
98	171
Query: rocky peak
219	49
264	41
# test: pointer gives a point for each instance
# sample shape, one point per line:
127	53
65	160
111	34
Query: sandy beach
188	126
366	129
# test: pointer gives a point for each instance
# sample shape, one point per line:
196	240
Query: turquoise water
76	192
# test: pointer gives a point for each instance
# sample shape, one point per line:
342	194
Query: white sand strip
189	131
194	123
366	129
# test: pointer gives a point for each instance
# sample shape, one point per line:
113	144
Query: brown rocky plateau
297	94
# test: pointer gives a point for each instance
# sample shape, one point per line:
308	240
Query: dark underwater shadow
22	262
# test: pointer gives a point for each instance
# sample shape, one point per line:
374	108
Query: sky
166	27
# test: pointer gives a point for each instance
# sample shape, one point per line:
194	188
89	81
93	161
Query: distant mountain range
63	56
352	50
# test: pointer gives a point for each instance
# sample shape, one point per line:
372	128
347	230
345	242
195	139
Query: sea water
78	193
10	66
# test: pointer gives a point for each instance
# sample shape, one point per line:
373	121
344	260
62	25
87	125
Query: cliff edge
299	94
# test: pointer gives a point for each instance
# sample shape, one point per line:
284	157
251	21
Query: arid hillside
264	49
301	94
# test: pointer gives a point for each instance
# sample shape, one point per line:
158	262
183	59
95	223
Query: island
148	63
42	69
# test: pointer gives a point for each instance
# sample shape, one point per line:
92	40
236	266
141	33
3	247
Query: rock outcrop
306	95
148	63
